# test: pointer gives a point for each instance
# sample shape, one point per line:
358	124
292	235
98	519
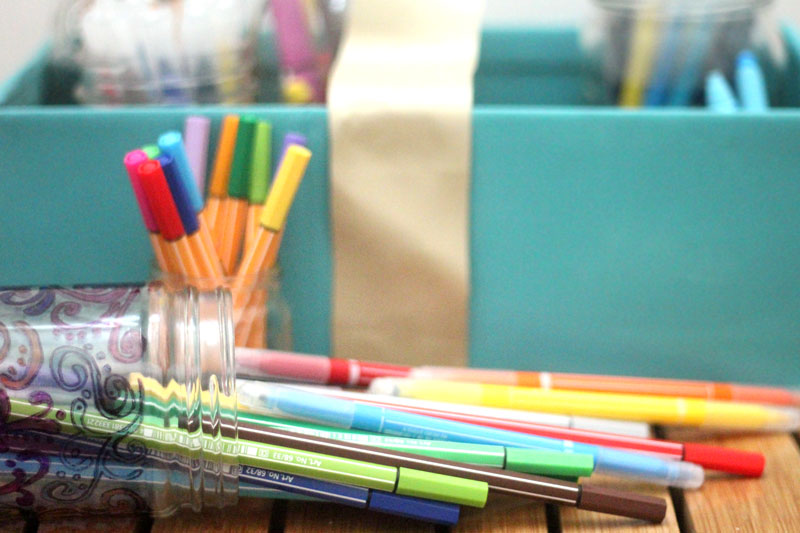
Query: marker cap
132	161
549	463
287	180
195	136
151	150
179	194
171	143
160	199
427	510
240	165
260	163
739	462
411	482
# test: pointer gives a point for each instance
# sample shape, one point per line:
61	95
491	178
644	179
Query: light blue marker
750	83
658	91
298	404
171	143
719	94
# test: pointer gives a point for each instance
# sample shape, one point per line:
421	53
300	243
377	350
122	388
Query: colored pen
719	94
188	219
618	384
301	82
236	201
549	490
510	419
659	85
132	161
539	462
699	41
259	178
640	58
273	217
750	83
220	175
653	409
152	150
196	130
177	251
171	143
293	403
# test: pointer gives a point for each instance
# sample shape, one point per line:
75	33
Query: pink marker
270	364
301	83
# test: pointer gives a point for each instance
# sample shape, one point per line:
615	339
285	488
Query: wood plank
310	517
728	503
573	519
249	516
94	524
503	514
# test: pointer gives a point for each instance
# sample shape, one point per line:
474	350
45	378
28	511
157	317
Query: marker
171	143
301	82
652	409
698	44
236	202
132	161
656	94
151	150
220	175
273	217
640	58
259	178
750	83
177	250
539	462
619	384
510	419
196	130
548	490
719	94
293	403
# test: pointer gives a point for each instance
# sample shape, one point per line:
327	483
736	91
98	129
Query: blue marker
171	143
719	94
179	194
750	83
659	86
693	64
294	403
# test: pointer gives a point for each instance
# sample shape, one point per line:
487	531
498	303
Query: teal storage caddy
662	243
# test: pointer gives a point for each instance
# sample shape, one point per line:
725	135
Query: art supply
293	403
220	175
236	201
152	150
584	496
196	130
132	161
273	217
640	57
708	390
659	85
712	457
750	84
177	250
171	144
258	186
300	81
719	94
510	419
539	462
653	409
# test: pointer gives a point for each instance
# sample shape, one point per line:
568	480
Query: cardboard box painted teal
652	242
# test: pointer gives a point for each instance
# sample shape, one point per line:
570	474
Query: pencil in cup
273	218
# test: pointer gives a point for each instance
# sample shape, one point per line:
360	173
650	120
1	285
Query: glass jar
116	399
145	52
658	52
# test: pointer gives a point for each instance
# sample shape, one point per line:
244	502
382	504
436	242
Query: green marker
242	153
152	150
539	462
260	163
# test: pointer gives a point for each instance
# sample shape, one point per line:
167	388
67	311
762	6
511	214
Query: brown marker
585	496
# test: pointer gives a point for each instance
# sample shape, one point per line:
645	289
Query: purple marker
301	81
195	140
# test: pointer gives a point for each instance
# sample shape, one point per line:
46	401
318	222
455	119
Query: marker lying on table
539	462
718	458
653	409
541	489
293	403
510	419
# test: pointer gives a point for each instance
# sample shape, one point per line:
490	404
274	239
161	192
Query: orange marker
273	217
218	188
166	214
236	203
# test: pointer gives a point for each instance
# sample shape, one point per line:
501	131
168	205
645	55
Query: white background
25	23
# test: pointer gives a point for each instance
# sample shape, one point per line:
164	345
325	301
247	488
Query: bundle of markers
233	239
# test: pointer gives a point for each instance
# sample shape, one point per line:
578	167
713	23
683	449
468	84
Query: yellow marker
638	407
640	58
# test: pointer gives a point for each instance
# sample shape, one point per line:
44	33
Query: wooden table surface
724	503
